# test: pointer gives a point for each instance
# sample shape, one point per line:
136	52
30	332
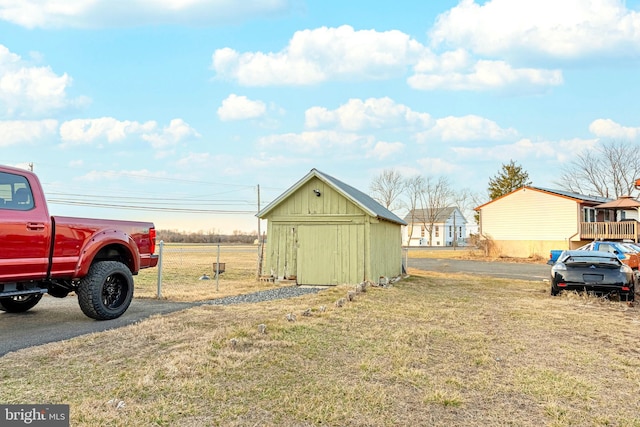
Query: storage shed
325	232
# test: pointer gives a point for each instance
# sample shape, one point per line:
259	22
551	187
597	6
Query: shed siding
330	254
305	202
530	215
281	250
386	250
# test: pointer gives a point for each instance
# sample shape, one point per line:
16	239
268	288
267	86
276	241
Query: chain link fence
190	272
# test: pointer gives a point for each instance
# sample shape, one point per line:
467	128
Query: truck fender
107	238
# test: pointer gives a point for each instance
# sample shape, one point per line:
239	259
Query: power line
149	208
160	200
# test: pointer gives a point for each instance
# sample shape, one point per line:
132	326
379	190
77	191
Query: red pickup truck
40	254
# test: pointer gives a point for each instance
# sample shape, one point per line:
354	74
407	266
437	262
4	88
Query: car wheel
631	295
554	291
19	304
106	291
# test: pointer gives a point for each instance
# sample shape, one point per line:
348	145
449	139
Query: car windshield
623	249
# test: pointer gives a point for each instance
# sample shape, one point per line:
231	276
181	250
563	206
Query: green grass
433	349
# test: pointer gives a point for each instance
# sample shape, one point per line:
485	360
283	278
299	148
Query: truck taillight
152	240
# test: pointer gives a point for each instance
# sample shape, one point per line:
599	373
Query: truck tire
106	291
19	304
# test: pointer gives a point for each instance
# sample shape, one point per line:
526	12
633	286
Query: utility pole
259	240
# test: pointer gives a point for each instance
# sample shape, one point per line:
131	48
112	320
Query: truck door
24	231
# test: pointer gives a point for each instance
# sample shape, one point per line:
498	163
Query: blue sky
175	111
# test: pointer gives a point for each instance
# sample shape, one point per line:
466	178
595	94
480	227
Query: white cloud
342	53
373	113
562	29
384	113
310	142
105	13
87	131
177	131
31	91
236	107
16	132
481	75
436	166
562	150
382	150
607	128
465	128
314	56
325	143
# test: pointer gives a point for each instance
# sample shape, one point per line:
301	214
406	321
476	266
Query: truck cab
26	230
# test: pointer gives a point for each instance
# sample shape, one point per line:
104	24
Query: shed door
330	254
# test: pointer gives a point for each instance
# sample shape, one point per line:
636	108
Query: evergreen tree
510	178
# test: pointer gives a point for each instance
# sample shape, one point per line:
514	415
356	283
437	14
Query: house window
450	231
588	215
437	231
422	232
606	215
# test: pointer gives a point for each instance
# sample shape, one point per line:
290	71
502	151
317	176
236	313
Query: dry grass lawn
470	253
432	350
184	265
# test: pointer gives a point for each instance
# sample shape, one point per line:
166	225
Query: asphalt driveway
505	270
57	319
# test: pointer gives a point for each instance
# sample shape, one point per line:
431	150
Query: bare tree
387	187
436	197
415	186
476	200
608	171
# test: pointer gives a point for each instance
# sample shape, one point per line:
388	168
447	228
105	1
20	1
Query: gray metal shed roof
364	201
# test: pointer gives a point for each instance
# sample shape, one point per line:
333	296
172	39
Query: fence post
160	247
218	268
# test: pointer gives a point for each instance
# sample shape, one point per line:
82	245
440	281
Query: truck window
15	193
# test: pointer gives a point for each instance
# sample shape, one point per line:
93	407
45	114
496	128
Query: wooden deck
624	230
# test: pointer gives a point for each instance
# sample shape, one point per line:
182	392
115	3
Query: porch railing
624	230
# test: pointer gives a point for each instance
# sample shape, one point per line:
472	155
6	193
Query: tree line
212	237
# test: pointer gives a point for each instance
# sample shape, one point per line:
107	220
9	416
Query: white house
449	226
